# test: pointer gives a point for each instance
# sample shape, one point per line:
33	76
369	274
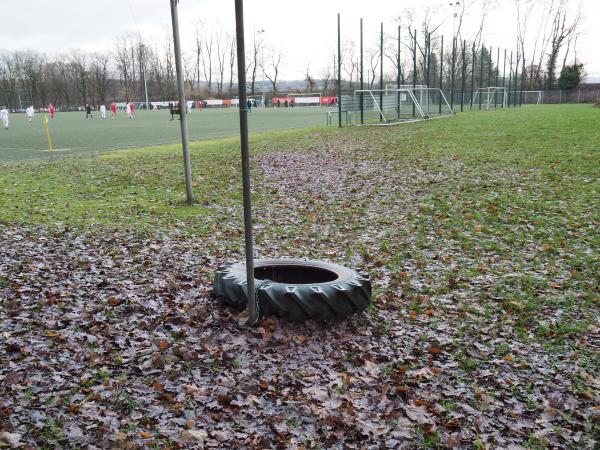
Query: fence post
481	74
452	77
362	86
339	70
414	112
381	75
441	73
505	96
464	69
398	76
474	56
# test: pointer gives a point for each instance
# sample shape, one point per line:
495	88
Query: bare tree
273	73
563	27
309	80
232	60
326	78
99	71
222	47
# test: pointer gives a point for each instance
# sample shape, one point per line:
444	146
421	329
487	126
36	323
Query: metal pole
464	69
522	82
474	57
145	84
481	75
497	77
398	76
505	98
414	68
509	77
339	70
362	105
248	241
452	75
441	82
381	74
490	62
428	71
182	109
516	80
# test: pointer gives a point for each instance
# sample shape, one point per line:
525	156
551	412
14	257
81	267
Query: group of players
30	111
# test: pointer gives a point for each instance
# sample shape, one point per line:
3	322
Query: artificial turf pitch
72	133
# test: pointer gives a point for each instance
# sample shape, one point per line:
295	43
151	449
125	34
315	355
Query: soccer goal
532	97
258	101
490	97
305	98
393	105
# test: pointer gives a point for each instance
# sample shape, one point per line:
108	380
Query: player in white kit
103	111
4	117
29	111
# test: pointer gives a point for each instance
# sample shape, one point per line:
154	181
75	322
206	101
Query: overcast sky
305	30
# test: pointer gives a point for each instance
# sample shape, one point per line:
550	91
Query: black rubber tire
347	294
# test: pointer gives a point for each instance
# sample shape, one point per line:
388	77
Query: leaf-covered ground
480	234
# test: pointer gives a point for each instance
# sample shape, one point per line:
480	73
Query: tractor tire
296	289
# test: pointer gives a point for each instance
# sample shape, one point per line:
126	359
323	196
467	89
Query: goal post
258	100
491	97
396	105
532	97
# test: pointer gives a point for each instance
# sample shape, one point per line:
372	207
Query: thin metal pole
381	73
505	97
510	77
414	68
489	75
339	70
452	76
362	105
183	113
241	60
441	74
454	41
144	74
481	74
398	76
474	57
428	70
523	74
464	70
497	77
516	80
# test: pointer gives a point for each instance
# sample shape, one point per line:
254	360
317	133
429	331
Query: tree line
136	65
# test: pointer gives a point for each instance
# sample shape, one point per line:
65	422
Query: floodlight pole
182	105
398	76
243	107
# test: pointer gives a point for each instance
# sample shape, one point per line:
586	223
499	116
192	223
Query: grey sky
305	31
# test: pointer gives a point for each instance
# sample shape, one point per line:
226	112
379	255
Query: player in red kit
51	110
113	110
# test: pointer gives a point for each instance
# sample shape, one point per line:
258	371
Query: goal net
532	97
258	101
490	97
395	105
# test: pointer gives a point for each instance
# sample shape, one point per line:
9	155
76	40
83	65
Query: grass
73	134
511	188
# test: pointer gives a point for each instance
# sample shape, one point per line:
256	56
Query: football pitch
72	133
